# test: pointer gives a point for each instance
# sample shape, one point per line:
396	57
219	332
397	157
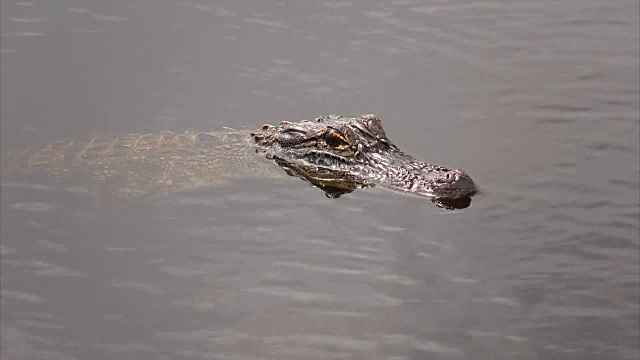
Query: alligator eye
336	139
449	177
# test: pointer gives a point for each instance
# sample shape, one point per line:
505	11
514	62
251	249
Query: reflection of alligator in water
334	153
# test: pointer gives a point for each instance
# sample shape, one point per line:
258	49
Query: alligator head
357	151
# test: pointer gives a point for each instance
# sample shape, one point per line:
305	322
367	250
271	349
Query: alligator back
162	161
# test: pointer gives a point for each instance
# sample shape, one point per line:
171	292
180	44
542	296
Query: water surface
538	101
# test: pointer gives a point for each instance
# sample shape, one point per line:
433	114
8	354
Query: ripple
17	344
342	314
460	279
20	296
125	348
608	145
401	280
52	246
221	337
25	34
336	342
39	324
565	108
48	269
27	185
180	271
292	294
627	184
321	269
146	288
109	18
272	25
220	11
30	20
34	206
357	255
5	250
436	347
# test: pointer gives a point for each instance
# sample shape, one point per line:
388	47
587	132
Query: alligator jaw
452	184
399	171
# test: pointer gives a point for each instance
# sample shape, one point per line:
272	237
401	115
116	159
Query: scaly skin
162	162
358	149
335	153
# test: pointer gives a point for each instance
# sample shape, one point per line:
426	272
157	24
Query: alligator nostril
266	127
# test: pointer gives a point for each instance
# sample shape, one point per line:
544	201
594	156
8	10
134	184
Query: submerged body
337	154
165	161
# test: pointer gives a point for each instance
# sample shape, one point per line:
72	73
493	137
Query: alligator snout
452	184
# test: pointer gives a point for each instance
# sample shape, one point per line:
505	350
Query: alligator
334	153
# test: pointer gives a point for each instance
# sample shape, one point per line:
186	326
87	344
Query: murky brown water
538	101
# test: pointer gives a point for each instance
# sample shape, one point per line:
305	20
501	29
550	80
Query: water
538	101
